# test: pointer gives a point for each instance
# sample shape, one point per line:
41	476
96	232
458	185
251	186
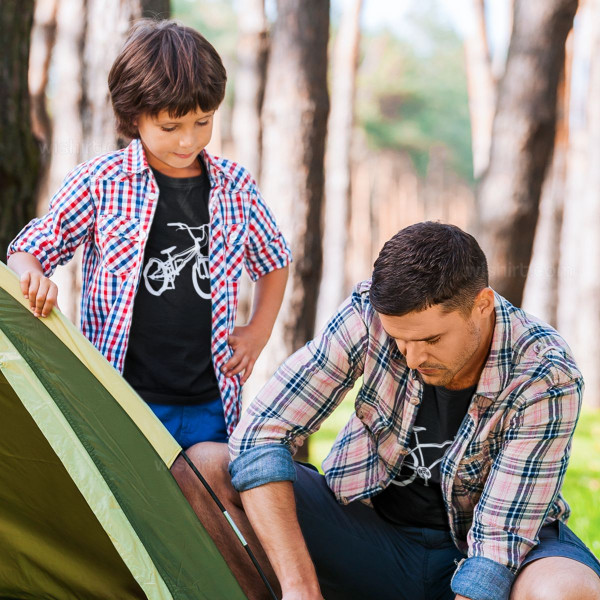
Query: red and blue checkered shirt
501	477
107	204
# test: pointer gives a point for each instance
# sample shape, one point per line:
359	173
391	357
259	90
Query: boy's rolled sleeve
53	238
267	249
260	465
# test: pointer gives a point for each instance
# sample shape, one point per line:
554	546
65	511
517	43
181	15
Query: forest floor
581	488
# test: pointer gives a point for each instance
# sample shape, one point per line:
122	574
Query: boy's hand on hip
40	291
247	343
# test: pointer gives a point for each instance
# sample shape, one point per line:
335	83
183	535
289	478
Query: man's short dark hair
164	66
427	264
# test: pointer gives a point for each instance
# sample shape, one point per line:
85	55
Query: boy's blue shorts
192	424
360	556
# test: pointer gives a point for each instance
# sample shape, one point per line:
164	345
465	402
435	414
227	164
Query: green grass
581	488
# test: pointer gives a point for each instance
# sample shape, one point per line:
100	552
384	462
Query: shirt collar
135	161
498	366
134	158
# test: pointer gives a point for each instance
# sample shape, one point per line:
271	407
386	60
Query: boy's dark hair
427	264
164	66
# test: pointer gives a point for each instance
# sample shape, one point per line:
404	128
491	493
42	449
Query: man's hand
459	597
40	291
247	343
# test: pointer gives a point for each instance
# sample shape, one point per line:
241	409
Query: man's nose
415	355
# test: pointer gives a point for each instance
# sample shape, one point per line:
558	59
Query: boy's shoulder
232	176
115	164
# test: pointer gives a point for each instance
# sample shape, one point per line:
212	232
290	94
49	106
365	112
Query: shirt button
152	196
415	401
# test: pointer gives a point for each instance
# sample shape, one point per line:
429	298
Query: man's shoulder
536	345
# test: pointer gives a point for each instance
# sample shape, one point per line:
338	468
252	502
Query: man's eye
434	341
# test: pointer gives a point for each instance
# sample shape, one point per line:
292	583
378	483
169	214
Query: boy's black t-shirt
169	359
414	497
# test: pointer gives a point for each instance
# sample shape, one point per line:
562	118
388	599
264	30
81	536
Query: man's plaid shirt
501	478
107	204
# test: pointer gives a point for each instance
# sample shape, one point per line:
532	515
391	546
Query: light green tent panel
88	506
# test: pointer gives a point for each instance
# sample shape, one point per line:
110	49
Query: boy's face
173	144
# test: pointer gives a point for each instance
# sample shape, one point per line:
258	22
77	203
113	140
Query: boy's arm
39	290
248	341
52	239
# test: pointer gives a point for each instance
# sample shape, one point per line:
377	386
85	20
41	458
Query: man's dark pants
359	556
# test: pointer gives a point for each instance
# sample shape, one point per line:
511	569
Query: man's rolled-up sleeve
303	392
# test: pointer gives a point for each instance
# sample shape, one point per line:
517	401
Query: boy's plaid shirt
501	478
107	204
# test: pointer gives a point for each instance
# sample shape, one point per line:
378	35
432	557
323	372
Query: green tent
88	507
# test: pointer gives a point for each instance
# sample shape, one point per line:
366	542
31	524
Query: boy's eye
203	123
168	128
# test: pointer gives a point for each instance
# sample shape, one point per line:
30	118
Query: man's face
447	348
172	144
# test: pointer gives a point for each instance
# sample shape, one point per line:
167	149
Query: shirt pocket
236	239
118	241
473	471
370	417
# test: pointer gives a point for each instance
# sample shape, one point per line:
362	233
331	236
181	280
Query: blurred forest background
357	118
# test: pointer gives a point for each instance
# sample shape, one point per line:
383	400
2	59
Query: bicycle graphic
418	467
159	275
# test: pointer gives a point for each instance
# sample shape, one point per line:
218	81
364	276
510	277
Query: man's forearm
271	509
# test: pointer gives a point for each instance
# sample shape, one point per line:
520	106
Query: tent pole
231	522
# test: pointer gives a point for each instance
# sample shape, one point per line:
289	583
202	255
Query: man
446	481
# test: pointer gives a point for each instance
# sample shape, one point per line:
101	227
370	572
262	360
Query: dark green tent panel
88	506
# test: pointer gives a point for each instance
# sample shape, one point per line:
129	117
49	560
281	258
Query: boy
165	228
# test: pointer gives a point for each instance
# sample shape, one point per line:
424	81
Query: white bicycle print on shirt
418	462
159	275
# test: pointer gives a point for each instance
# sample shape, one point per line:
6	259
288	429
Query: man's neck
479	359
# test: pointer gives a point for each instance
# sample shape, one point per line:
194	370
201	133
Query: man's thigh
359	556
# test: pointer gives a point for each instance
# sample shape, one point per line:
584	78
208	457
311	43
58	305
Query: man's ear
484	303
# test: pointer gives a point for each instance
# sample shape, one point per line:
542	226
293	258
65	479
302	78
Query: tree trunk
541	287
523	138
482	89
250	76
19	152
572	260
43	36
587	349
67	138
337	172
294	127
108	22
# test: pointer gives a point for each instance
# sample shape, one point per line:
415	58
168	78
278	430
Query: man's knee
556	578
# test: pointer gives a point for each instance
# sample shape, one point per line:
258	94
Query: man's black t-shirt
414	497
169	358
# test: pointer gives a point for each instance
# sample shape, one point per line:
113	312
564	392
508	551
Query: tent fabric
89	437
